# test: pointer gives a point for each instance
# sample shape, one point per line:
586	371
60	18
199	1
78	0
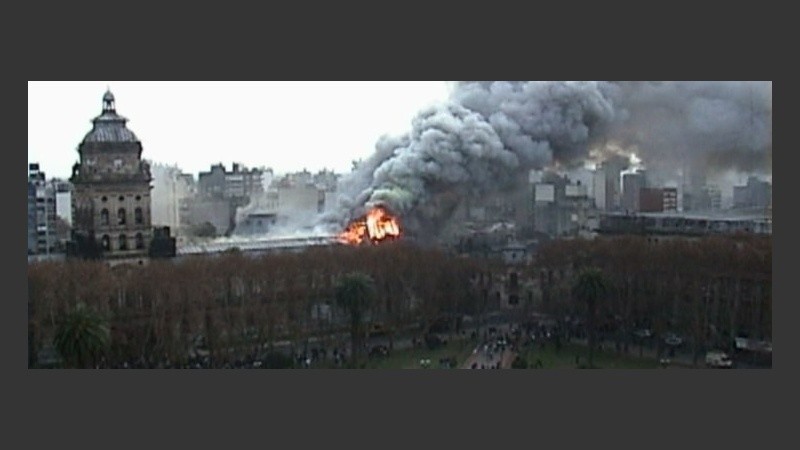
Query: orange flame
377	225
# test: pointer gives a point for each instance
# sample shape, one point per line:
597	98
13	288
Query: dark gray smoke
707	126
491	134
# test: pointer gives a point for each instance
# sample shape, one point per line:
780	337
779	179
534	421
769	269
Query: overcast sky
284	125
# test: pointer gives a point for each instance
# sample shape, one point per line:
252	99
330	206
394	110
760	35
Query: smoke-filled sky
490	134
284	125
420	142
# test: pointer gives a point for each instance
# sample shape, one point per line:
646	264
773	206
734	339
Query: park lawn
565	358
409	358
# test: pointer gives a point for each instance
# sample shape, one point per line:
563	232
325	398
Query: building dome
109	126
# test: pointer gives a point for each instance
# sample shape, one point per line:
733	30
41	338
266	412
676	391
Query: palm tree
82	337
590	286
354	293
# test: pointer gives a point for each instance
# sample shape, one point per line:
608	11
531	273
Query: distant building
607	192
238	185
31	218
560	208
651	200
670	199
667	224
42	234
756	194
632	183
326	180
658	199
220	193
293	198
63	200
703	198
300	199
198	211
257	223
170	187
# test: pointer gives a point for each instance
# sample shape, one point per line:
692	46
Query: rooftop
109	126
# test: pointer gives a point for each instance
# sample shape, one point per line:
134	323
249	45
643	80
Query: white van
718	359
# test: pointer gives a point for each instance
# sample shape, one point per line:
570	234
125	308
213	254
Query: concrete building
267	177
111	208
632	183
703	198
196	211
560	208
670	199
257	223
607	191
658	199
672	224
756	194
239	184
42	233
63	200
170	188
220	194
326	180
31	218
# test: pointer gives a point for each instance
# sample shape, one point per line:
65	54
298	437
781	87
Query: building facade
755	194
560	207
42	234
237	185
632	184
63	200
658	199
170	188
607	186
111	190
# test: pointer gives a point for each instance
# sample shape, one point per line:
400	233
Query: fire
376	226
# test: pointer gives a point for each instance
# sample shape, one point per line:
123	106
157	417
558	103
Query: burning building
489	135
378	225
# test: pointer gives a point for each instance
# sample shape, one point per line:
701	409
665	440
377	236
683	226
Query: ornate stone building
111	197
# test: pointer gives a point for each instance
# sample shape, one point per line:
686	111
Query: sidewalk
480	358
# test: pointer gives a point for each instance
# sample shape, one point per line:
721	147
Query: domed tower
111	200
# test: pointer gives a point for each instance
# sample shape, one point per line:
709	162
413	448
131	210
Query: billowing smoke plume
490	134
702	126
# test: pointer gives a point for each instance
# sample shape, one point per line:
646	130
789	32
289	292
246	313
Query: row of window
121	198
138	216
122	242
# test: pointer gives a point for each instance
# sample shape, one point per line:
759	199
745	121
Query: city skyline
288	126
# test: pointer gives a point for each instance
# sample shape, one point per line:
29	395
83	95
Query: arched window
121	216
139	217
139	241
106	242
104	217
123	242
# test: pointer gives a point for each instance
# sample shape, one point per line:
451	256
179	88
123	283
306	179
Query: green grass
565	358
409	359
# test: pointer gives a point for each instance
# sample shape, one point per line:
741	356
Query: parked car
719	359
673	339
379	351
643	333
